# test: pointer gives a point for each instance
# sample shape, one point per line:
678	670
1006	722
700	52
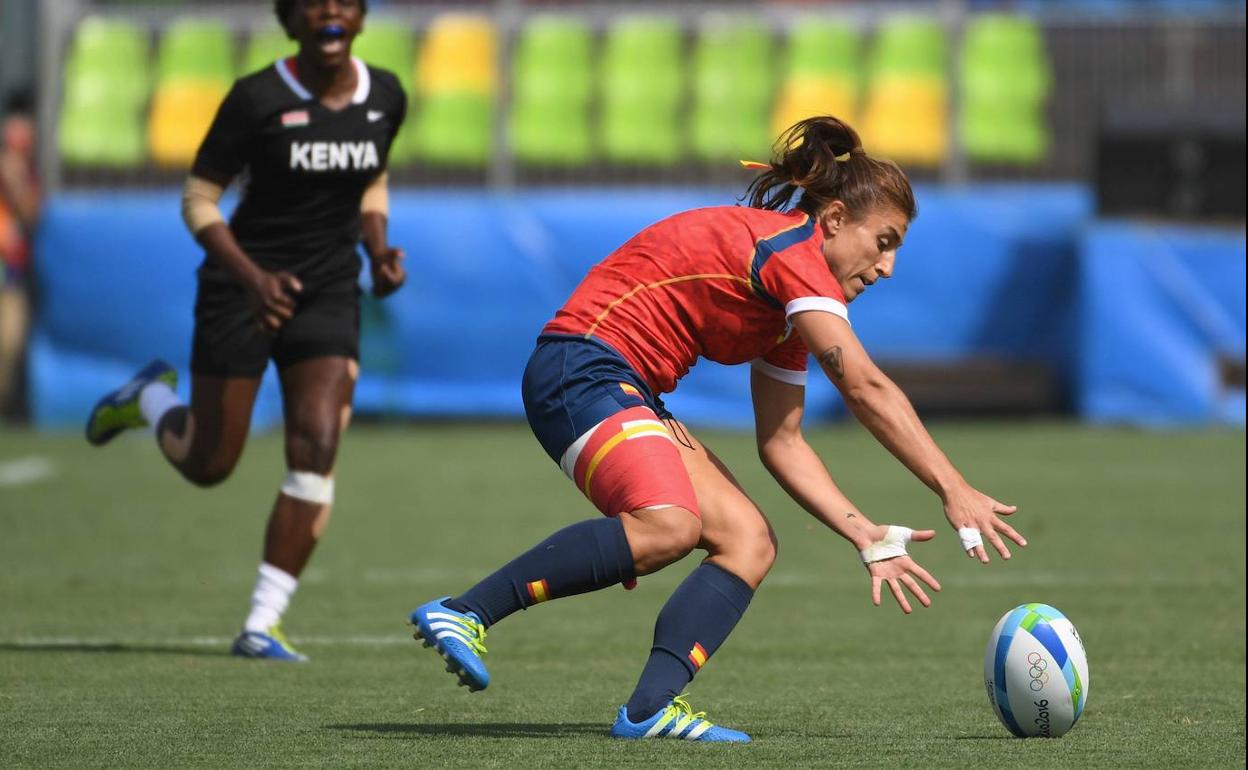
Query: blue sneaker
271	645
119	410
459	638
675	720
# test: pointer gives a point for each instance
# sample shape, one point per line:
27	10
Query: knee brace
309	487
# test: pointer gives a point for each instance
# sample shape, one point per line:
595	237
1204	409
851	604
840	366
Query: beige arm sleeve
199	204
377	195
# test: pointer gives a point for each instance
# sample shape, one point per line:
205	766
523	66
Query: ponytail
823	158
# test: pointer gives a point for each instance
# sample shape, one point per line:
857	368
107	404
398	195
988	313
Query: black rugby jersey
304	166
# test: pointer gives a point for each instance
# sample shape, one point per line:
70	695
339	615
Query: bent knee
207	473
666	535
312	447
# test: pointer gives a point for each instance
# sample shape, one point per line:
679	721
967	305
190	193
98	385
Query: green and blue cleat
119	410
459	638
675	720
269	645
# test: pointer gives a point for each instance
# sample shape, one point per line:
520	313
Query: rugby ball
1036	672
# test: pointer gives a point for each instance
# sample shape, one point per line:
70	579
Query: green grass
120	586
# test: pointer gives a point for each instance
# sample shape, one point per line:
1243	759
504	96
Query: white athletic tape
970	538
310	487
890	547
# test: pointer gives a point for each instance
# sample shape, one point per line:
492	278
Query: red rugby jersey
717	283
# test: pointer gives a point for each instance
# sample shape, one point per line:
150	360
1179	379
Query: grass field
120	587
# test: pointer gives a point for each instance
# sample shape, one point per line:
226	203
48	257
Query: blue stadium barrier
986	271
1161	306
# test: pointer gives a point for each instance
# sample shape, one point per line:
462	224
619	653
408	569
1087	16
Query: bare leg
204	440
316	396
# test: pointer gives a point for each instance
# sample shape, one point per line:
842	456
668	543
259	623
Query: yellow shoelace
681	706
476	638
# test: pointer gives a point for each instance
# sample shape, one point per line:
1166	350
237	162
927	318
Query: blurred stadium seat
196	49
182	111
552	83
1006	80
642	90
734	82
456	79
264	47
822	74
906	114
106	87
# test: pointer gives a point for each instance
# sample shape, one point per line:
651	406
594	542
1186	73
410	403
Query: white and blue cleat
676	720
119	410
458	637
268	645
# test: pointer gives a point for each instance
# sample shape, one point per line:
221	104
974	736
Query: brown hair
823	157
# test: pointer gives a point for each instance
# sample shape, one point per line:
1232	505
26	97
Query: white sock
155	399
269	598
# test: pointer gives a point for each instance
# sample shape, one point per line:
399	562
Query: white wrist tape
970	538
890	547
309	487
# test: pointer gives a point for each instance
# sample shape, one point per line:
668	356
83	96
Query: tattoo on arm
833	362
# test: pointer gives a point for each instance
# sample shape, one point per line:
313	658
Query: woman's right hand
273	296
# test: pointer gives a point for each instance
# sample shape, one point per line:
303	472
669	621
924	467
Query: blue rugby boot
270	645
459	638
675	720
119	410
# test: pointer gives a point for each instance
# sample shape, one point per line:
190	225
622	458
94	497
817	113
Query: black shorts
229	341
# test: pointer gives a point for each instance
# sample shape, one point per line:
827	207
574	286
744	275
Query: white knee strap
310	487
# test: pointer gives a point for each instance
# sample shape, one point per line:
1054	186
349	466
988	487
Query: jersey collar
289	72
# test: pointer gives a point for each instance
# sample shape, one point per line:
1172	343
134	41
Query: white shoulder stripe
363	82
824	304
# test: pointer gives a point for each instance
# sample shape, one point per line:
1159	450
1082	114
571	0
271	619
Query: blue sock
696	620
584	557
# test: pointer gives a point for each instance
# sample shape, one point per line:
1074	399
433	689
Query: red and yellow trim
630	390
698	656
539	591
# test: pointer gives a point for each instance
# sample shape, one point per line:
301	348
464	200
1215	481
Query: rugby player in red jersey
766	284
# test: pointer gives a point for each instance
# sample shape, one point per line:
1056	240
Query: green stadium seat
642	89
734	80
454	129
1006	79
389	45
905	117
822	74
909	46
196	49
265	47
552	80
101	133
109	54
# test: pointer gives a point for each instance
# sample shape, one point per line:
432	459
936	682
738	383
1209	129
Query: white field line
148	642
25	470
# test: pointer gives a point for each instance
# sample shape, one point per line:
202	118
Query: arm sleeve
224	151
377	195
200	199
801	280
786	362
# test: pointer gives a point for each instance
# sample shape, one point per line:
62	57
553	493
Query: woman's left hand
899	570
387	271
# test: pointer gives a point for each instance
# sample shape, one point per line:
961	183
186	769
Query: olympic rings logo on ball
1038	673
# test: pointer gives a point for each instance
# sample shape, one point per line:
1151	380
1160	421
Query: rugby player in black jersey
309	136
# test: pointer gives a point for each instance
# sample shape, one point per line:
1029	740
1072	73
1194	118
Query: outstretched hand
895	567
975	516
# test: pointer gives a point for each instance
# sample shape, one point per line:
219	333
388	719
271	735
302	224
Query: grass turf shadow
115	648
481	729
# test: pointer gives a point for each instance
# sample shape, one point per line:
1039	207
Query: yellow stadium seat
458	56
802	97
906	120
180	116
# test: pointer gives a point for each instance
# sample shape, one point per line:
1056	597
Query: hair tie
842	157
755	165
